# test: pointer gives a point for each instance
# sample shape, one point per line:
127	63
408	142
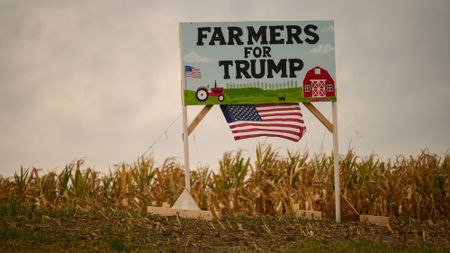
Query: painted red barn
318	84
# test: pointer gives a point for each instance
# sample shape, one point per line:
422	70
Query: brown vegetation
412	187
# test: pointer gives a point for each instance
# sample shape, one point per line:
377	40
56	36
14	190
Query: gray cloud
101	79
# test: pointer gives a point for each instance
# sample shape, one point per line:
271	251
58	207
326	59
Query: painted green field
251	96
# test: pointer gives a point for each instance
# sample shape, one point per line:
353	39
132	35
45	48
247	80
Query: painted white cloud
328	29
194	57
322	49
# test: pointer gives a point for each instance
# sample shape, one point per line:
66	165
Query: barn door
318	88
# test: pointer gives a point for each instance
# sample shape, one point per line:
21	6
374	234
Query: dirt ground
103	231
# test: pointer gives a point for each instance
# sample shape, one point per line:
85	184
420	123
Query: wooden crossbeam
377	220
183	213
310	215
319	116
199	118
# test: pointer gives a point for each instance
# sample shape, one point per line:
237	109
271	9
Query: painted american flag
272	120
193	72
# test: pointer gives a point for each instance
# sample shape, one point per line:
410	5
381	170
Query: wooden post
332	127
185	205
319	116
337	184
187	178
186	132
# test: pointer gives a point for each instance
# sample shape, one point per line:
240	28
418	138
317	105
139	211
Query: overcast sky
100	80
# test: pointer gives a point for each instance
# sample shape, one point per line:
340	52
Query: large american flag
273	120
190	71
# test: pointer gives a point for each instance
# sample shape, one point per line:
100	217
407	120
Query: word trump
262	68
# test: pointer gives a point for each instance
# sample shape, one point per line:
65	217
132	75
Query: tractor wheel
202	94
221	98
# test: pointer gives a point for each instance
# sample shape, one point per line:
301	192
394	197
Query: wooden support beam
199	118
183	213
310	215
307	214
319	116
376	220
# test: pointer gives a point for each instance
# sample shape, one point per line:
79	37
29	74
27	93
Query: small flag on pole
272	120
190	71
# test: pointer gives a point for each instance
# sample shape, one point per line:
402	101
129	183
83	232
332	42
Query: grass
356	245
252	96
101	230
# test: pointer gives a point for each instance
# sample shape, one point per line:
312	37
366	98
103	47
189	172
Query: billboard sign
258	62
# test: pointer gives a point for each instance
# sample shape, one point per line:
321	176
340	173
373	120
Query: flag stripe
285	119
255	124
277	114
242	137
192	72
256	129
272	120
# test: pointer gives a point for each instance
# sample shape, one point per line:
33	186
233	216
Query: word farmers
263	35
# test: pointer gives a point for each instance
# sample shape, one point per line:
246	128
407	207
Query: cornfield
412	187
